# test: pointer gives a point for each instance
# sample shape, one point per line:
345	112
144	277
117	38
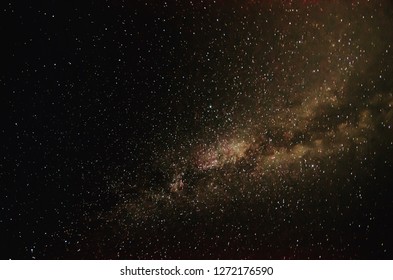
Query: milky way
278	113
263	129
293	92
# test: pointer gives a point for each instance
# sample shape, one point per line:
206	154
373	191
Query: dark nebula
197	129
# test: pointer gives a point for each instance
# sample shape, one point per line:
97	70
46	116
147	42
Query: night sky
197	129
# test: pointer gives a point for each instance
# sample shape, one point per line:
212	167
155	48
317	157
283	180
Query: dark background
93	88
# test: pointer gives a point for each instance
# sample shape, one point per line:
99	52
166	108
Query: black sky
197	129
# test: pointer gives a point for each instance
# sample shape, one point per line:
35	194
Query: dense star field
197	129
